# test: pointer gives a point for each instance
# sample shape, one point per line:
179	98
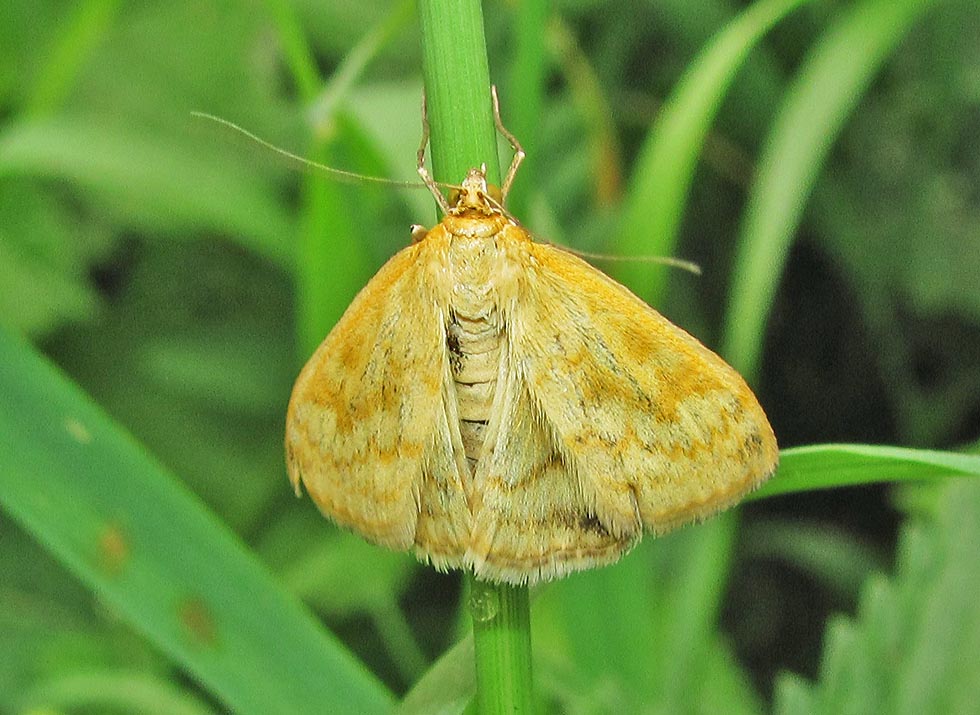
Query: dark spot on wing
589	522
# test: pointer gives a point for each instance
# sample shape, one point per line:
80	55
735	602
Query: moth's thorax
474	223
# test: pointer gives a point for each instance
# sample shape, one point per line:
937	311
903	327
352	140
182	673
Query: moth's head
475	193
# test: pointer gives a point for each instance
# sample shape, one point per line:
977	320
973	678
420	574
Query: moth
497	404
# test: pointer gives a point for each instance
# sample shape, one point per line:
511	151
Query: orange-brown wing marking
660	429
367	431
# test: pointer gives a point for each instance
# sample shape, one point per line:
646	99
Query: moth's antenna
339	173
689	266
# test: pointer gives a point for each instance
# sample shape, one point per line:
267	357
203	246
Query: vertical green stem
502	645
457	87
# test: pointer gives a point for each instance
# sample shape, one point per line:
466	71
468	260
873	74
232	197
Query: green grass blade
589	98
150	550
824	466
296	50
833	78
662	178
355	62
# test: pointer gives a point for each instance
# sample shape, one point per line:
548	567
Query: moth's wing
611	419
660	429
370	431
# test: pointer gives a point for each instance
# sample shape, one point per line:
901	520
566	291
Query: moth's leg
420	167
512	140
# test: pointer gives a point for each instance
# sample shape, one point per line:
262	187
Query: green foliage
665	167
909	647
833	77
178	277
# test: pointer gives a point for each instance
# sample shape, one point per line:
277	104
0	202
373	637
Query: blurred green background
162	263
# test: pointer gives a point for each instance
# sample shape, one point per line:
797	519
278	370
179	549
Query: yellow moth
497	404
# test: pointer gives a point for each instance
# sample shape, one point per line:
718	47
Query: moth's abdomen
474	334
475	346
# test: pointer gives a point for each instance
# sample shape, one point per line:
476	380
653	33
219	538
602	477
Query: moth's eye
454	197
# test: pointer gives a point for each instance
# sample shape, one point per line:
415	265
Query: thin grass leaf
299	56
824	466
662	178
591	102
149	549
834	76
355	62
